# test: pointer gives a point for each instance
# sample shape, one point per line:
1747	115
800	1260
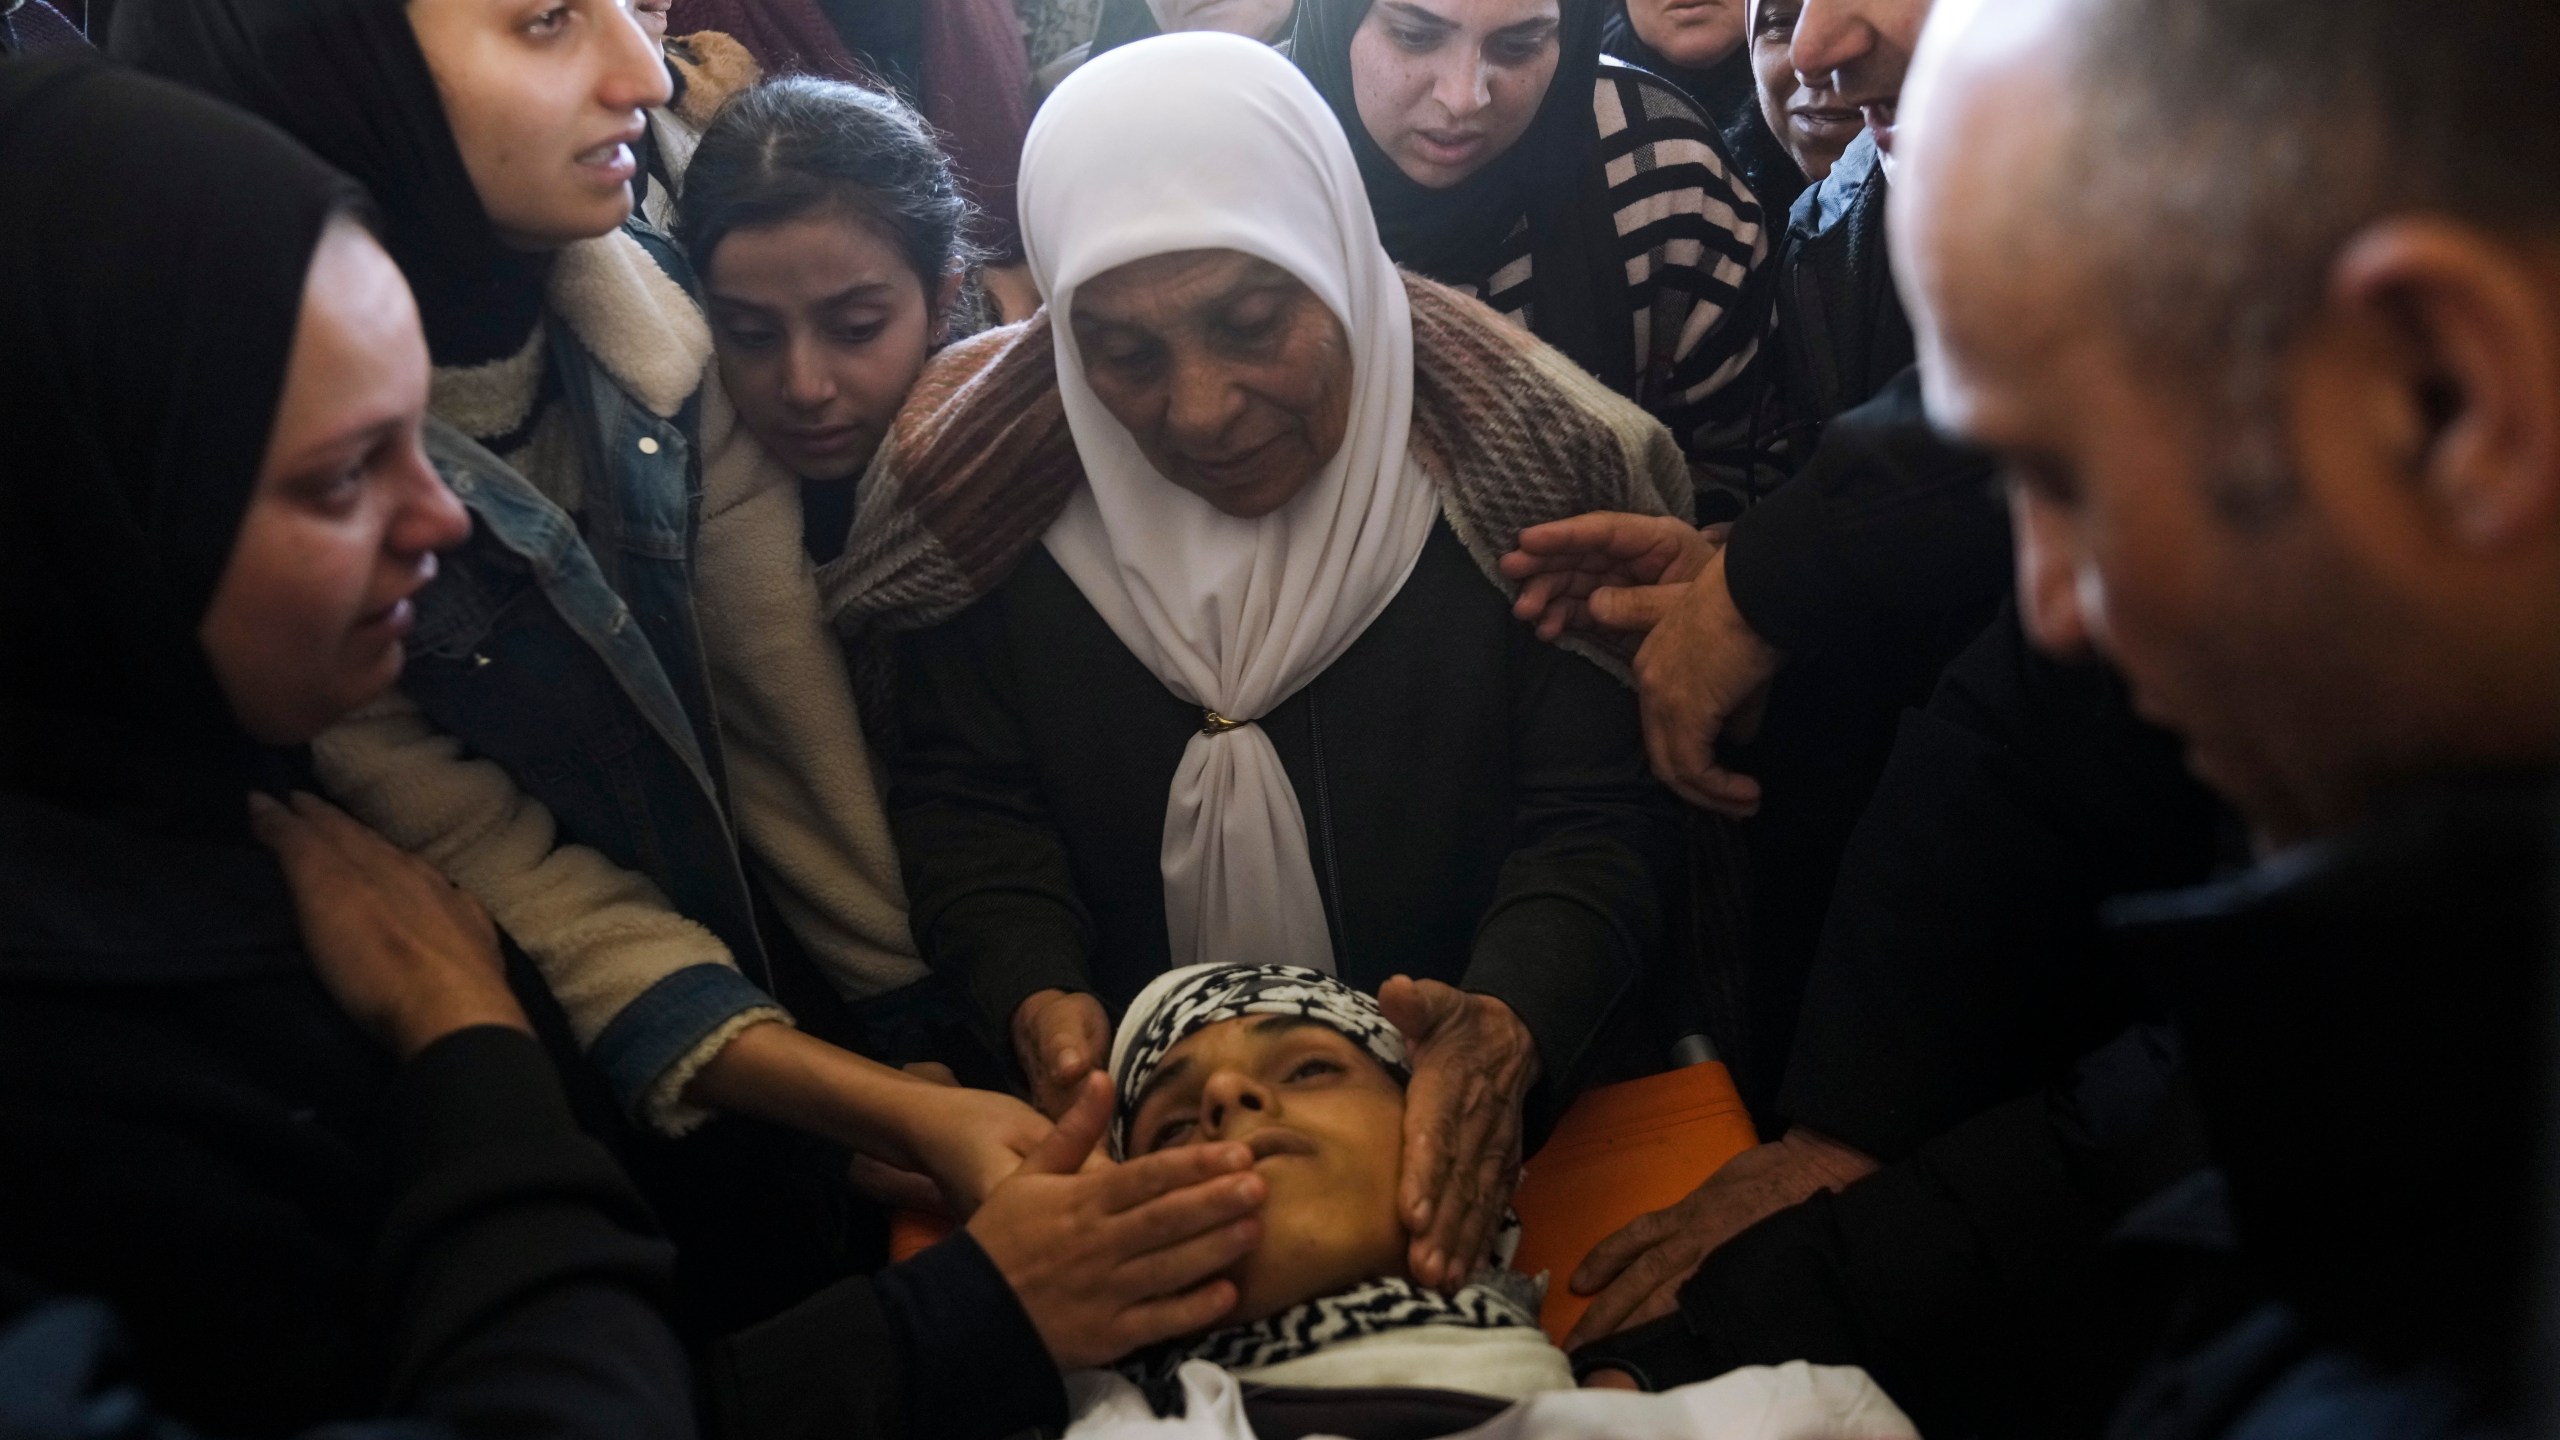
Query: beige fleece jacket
801	777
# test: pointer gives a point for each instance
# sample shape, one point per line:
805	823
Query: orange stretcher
1618	1152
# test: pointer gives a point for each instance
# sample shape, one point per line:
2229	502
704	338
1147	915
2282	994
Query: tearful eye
1318	1065
1170	1132
549	22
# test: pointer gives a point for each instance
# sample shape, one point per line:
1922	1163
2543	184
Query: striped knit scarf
980	462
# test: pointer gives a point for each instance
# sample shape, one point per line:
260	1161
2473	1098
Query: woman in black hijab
596	737
213	515
1651	282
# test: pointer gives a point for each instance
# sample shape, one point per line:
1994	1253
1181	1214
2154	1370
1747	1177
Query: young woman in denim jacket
624	727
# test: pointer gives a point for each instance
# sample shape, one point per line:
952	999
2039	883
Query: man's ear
2472	323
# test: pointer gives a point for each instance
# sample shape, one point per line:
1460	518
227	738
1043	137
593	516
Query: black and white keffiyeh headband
1180	1003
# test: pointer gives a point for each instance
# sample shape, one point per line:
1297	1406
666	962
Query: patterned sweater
1697	251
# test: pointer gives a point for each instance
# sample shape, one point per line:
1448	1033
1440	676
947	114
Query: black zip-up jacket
1477	804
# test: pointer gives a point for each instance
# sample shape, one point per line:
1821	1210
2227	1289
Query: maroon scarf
977	83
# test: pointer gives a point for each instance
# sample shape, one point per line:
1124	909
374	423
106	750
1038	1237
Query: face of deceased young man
1325	1122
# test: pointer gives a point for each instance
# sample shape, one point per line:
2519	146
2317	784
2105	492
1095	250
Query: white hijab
1207	141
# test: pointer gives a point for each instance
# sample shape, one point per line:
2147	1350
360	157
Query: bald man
2255	303
2258	305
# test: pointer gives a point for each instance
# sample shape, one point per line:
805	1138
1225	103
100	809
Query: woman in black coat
214	510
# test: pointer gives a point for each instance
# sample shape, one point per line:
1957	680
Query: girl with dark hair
833	247
1585	199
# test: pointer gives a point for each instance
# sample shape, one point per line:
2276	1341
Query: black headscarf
152	257
346	77
1552	175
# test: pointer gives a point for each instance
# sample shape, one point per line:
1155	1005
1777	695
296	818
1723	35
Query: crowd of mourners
963	718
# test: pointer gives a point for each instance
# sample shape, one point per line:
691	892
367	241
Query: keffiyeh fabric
1497	1298
1180	1003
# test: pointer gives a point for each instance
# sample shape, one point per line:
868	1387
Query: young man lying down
1329	1333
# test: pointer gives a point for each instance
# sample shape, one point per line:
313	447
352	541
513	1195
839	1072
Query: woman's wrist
776	1073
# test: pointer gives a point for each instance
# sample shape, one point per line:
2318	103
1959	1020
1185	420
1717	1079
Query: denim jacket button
648	445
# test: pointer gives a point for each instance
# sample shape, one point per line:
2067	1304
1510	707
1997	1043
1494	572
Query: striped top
1697	250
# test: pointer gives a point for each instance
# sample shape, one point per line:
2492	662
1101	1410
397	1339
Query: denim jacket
573	660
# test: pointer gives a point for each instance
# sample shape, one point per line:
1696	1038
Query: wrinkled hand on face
1325	1121
1473	1065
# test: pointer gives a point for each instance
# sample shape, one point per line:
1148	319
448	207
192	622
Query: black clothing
2367	1034
1869	570
1962	962
1842	333
1476	801
1887	554
1887	525
1553	174
291	1227
1963	966
32	27
2245	1367
1956	1277
149	323
347	78
2361	1049
934	1346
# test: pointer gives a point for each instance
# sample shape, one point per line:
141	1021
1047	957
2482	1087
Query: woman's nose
806	382
1462	85
430	517
635	75
1231	1102
1201	406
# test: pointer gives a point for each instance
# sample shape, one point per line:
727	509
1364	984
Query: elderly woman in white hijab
1222	666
